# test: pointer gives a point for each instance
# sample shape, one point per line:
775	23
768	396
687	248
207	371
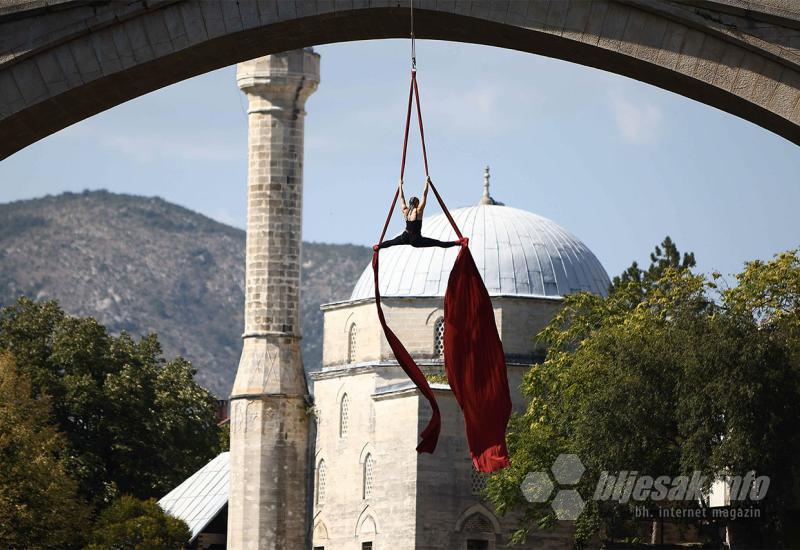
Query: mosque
351	479
371	488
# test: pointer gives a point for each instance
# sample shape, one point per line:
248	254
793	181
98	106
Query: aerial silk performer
473	354
412	214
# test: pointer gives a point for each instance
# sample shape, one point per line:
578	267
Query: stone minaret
269	401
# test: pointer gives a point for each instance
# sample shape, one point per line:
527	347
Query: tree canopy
671	373
136	524
39	507
637	282
134	422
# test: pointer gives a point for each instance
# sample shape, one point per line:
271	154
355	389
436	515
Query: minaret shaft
269	421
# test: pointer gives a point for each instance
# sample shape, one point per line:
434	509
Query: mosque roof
199	499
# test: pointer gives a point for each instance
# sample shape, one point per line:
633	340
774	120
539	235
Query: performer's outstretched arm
424	200
403	205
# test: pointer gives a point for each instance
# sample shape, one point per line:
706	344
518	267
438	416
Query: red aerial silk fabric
430	435
476	364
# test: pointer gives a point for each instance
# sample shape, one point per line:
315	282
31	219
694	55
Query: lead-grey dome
517	253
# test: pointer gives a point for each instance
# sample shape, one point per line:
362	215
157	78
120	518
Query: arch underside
79	65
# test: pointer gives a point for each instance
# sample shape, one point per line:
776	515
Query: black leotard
414	227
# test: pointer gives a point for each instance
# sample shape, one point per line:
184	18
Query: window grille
477	523
369	476
477	482
344	415
321	483
352	341
438	338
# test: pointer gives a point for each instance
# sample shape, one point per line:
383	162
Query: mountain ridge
142	264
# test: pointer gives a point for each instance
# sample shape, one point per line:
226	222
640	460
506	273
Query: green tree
666	382
39	507
665	256
134	422
133	524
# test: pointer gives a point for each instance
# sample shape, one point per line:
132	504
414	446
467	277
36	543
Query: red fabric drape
476	365
474	357
430	435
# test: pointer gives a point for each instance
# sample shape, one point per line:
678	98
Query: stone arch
367	449
434	315
340	392
320	532
477	510
349	321
368	527
61	66
366	524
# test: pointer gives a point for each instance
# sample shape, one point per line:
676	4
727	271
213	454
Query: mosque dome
518	253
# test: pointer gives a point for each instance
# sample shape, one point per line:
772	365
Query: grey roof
200	498
517	253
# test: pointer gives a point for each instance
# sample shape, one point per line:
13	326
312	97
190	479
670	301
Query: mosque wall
412	319
448	487
339	321
358	502
521	319
516	373
416	501
451	512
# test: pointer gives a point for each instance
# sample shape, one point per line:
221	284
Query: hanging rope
413	41
413	97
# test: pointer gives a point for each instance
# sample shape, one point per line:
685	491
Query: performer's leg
402	238
425	242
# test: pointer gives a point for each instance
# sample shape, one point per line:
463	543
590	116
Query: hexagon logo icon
567	469
568	504
537	487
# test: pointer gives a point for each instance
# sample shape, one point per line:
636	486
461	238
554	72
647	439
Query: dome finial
487	198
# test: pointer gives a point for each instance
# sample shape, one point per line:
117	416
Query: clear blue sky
618	163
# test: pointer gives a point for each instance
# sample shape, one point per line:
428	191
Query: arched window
369	476
478	523
351	345
320	536
321	473
344	415
438	338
